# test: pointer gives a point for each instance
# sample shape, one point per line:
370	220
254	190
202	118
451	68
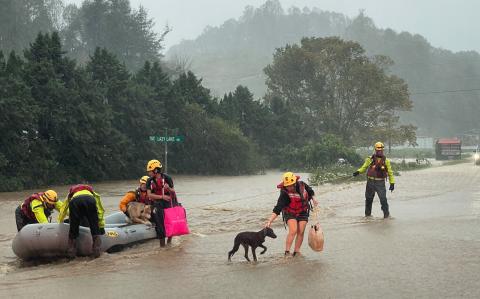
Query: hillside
442	83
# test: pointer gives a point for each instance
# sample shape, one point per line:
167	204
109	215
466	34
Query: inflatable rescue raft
50	239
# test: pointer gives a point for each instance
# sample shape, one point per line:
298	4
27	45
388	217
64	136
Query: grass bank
338	174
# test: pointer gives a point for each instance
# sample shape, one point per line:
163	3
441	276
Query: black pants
82	207
21	219
378	187
157	217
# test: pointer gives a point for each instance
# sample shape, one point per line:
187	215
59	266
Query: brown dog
139	212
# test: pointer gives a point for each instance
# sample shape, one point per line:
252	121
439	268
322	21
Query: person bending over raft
37	208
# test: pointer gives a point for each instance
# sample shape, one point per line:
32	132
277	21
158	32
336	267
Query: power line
445	91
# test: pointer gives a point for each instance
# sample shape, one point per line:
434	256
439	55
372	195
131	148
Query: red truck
448	149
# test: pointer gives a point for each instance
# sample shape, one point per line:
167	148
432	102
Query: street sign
179	138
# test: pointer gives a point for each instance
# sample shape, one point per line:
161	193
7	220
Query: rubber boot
72	248
97	242
386	214
162	242
368	210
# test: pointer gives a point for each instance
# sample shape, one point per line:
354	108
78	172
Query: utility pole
166	152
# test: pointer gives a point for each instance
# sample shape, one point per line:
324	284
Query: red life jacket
377	168
27	210
298	203
159	186
75	188
142	197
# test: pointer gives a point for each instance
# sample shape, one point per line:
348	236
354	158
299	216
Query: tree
212	146
113	25
333	87
21	20
187	88
240	108
17	125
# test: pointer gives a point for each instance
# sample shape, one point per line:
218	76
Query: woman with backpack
294	203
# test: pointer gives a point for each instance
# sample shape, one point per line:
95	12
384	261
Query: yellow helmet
289	179
379	146
152	164
50	197
143	179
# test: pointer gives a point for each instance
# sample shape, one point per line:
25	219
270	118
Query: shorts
303	216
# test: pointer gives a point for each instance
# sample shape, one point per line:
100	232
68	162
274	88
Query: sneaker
287	253
296	253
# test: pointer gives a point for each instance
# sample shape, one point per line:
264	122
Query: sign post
166	152
166	139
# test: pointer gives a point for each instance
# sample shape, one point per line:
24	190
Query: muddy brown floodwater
429	248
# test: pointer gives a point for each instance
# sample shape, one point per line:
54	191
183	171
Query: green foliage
324	153
406	166
332	86
115	26
252	117
341	173
334	174
17	125
67	124
212	146
21	20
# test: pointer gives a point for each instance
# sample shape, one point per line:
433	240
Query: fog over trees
237	51
84	87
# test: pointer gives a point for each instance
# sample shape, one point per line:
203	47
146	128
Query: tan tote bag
315	234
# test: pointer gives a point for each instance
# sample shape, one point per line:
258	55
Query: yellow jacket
38	209
100	210
367	163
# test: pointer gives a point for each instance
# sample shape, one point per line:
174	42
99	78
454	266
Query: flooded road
429	248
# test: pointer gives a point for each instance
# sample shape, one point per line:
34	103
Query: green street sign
178	138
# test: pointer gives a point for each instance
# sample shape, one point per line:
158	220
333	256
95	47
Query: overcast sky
449	24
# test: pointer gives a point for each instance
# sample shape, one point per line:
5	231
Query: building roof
449	141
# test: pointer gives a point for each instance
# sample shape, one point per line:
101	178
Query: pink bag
175	220
175	217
